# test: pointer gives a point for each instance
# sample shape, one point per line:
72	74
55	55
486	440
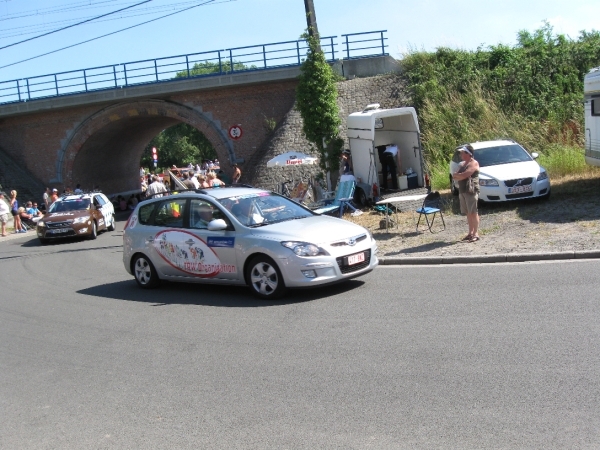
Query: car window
202	212
264	208
170	213
98	201
80	204
502	154
145	212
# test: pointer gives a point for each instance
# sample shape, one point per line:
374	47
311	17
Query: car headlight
40	223
304	248
542	176
80	219
487	182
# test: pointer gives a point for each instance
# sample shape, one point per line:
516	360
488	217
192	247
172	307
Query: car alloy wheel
94	233
144	273
111	226
265	278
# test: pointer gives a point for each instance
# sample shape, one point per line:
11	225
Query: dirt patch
568	221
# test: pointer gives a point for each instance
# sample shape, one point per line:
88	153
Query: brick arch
105	149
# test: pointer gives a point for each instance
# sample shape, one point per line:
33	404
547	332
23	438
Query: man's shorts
468	203
3	218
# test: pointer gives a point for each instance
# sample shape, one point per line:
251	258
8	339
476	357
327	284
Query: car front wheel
265	278
144	273
94	233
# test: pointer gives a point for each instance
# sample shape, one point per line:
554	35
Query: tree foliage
209	67
533	90
316	99
179	145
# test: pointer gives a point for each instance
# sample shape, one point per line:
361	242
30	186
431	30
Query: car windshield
264	208
501	154
70	205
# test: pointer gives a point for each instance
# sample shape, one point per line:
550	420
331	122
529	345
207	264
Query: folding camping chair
431	206
343	198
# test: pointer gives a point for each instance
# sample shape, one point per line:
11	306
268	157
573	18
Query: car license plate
58	231
519	189
355	259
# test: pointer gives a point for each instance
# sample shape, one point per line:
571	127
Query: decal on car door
190	254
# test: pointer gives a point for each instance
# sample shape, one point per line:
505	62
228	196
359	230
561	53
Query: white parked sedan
506	172
242	236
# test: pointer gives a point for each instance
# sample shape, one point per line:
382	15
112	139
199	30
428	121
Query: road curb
486	259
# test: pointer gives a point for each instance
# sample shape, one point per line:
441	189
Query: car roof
216	193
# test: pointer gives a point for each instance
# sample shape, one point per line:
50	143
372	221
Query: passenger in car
203	215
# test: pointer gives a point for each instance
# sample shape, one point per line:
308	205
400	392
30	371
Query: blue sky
410	24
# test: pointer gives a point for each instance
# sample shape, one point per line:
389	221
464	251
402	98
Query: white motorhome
374	127
591	92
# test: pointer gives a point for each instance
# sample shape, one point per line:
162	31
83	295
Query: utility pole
311	20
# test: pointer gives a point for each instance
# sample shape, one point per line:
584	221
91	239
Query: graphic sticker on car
190	254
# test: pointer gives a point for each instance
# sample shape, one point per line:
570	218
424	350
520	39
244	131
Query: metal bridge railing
216	62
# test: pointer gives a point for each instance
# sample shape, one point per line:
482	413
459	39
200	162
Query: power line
45	11
40	27
109	34
74	25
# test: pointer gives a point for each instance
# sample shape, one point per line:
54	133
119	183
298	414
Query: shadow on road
209	295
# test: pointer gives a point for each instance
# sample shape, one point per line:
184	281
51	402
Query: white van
591	91
374	127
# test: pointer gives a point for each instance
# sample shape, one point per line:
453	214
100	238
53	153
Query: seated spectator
32	209
122	203
25	218
132	202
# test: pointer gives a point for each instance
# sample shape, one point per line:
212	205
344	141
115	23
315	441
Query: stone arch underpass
105	149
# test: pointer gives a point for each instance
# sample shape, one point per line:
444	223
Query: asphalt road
460	357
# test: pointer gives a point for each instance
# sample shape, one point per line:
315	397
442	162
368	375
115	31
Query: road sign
235	132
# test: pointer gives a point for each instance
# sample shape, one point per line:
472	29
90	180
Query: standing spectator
469	168
202	181
78	189
4	210
237	174
54	196
142	172
143	184
14	210
193	179
187	182
156	188
47	194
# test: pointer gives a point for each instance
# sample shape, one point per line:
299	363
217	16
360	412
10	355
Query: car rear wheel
361	197
111	225
94	233
265	278
144	273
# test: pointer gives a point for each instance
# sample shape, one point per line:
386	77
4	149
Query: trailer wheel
360	197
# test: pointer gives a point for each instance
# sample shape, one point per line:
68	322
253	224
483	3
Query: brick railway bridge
97	138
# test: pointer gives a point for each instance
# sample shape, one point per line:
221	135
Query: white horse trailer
591	92
374	127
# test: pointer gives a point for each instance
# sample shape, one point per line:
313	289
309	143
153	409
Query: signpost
154	156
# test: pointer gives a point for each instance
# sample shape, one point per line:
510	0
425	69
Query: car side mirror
217	225
535	155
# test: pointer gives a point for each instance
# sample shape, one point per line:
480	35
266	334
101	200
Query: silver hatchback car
242	236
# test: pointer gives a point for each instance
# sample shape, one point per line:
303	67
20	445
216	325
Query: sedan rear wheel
144	273
111	225
265	278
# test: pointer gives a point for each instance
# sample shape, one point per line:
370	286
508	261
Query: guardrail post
115	74
298	51
347	48
28	93
155	70
264	57
220	63
187	64
382	44
332	49
84	80
18	89
231	60
125	73
56	84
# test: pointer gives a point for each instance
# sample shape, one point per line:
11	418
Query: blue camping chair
431	206
343	198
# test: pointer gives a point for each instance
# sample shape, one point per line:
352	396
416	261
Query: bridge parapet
176	68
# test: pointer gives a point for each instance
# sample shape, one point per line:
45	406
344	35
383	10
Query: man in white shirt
156	188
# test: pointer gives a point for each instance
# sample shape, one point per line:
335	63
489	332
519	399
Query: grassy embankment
532	93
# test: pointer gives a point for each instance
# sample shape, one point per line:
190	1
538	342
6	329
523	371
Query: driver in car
203	216
246	213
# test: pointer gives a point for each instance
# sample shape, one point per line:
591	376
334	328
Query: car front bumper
502	194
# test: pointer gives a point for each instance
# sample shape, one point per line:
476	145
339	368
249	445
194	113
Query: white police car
242	236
